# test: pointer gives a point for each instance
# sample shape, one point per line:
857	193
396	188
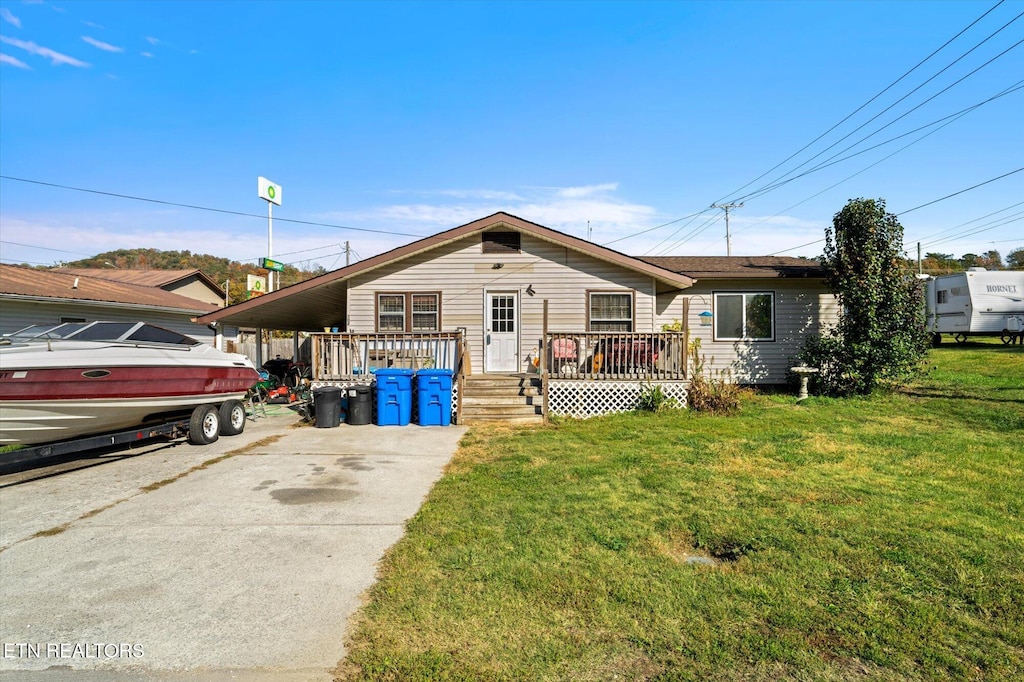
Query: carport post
259	347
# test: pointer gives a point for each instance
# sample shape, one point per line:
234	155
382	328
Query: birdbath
804	372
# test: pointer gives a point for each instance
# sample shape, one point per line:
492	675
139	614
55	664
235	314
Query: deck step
489	398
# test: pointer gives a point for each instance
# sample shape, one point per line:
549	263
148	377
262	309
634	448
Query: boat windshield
137	332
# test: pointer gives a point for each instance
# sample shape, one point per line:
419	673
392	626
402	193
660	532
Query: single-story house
34	296
192	283
590	326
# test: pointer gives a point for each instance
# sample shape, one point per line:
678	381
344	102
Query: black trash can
358	405
327	404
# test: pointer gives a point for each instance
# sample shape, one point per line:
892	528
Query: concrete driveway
239	560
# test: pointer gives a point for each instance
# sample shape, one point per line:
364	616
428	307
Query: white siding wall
462	273
802	307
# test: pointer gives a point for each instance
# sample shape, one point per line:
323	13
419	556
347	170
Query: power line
44	248
1016	217
861	107
831	161
206	208
934	201
967	189
959	115
656	227
677	231
700	229
956	227
778	182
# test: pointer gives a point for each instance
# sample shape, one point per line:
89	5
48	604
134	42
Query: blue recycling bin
394	396
434	397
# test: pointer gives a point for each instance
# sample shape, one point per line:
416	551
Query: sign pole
271	193
270	244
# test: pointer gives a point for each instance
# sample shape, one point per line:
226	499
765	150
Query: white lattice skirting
582	399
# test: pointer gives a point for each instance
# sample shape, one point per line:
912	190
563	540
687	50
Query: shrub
653	399
708	392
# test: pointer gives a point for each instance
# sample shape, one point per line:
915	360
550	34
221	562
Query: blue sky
409	118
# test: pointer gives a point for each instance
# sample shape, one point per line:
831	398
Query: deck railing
613	356
345	357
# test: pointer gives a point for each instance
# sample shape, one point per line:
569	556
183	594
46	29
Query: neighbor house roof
310	304
738	267
145	277
31	284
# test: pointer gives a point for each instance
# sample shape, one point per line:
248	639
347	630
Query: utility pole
728	236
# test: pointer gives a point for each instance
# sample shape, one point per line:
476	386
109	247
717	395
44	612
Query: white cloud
6	15
93	24
13	61
587	190
151	40
565	209
100	45
147	54
56	58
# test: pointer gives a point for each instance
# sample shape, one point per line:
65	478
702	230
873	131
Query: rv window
942	296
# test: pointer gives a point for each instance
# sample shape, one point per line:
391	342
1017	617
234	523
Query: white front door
501	332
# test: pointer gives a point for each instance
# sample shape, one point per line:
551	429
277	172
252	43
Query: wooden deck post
686	338
544	364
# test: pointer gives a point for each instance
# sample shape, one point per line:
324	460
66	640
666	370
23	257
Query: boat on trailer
59	382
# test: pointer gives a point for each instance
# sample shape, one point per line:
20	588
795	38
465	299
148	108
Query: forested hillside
220	270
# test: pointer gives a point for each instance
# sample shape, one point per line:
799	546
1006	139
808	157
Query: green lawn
878	538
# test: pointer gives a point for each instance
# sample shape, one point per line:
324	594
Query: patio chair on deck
563	352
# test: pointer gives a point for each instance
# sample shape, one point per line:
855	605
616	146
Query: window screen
611	312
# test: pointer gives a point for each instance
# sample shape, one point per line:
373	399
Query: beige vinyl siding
802	307
462	273
198	290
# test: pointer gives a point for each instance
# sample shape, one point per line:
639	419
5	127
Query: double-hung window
610	311
745	316
408	312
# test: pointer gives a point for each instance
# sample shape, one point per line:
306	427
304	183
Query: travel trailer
978	302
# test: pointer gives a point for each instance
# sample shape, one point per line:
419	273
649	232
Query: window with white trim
610	312
745	316
408	312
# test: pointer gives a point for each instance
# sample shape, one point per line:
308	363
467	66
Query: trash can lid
359	388
327	389
395	372
434	372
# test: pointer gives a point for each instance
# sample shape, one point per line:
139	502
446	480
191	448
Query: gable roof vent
500	242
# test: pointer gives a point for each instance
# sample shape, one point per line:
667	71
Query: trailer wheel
204	425
936	340
232	418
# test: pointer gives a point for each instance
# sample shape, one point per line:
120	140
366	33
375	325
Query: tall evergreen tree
881	334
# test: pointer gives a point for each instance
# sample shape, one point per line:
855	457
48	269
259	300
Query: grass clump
872	538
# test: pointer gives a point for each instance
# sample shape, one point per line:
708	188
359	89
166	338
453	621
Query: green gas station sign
274	265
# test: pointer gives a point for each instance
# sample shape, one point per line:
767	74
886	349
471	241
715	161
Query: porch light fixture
497	266
530	291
